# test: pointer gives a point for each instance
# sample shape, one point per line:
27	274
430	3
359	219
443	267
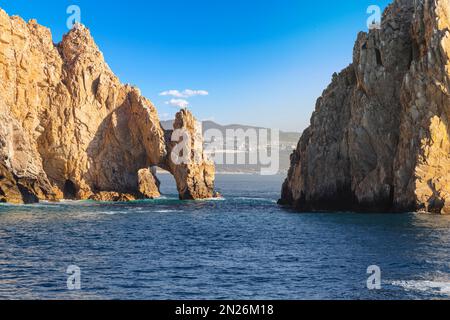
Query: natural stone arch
82	125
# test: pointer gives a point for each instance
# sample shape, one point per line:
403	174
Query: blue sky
262	62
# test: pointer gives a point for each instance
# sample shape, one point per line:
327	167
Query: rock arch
73	118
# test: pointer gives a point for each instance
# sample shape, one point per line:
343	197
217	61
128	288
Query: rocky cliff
70	130
379	137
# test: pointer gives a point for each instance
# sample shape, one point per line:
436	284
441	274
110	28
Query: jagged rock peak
70	129
379	137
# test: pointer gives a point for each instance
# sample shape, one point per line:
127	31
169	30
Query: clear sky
263	62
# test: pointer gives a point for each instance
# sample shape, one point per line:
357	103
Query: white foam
32	205
440	287
109	213
211	199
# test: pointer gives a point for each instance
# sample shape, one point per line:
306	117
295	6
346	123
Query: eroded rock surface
70	130
193	171
379	137
148	184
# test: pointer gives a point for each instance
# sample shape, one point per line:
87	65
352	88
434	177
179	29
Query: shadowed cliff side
70	129
379	137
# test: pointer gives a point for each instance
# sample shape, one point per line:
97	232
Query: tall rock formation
195	179
379	137
70	129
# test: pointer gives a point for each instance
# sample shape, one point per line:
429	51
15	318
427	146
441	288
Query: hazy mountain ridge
288	142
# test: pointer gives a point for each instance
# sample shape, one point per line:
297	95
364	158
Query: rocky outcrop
148	184
15	190
193	172
379	137
70	130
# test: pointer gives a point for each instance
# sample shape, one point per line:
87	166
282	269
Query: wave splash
439	287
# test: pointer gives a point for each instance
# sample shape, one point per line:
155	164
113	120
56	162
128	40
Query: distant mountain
284	135
287	140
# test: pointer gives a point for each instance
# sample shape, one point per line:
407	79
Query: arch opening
167	182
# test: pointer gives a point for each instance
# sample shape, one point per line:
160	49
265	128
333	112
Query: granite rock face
379	137
70	130
193	171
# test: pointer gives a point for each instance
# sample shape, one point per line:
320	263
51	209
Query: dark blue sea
242	247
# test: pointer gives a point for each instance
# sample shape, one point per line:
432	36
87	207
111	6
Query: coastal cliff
70	130
379	136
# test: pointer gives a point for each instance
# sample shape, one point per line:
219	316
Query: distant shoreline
256	173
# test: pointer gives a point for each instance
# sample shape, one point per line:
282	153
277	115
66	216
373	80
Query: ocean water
242	247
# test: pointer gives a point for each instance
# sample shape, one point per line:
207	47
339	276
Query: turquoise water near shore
241	247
